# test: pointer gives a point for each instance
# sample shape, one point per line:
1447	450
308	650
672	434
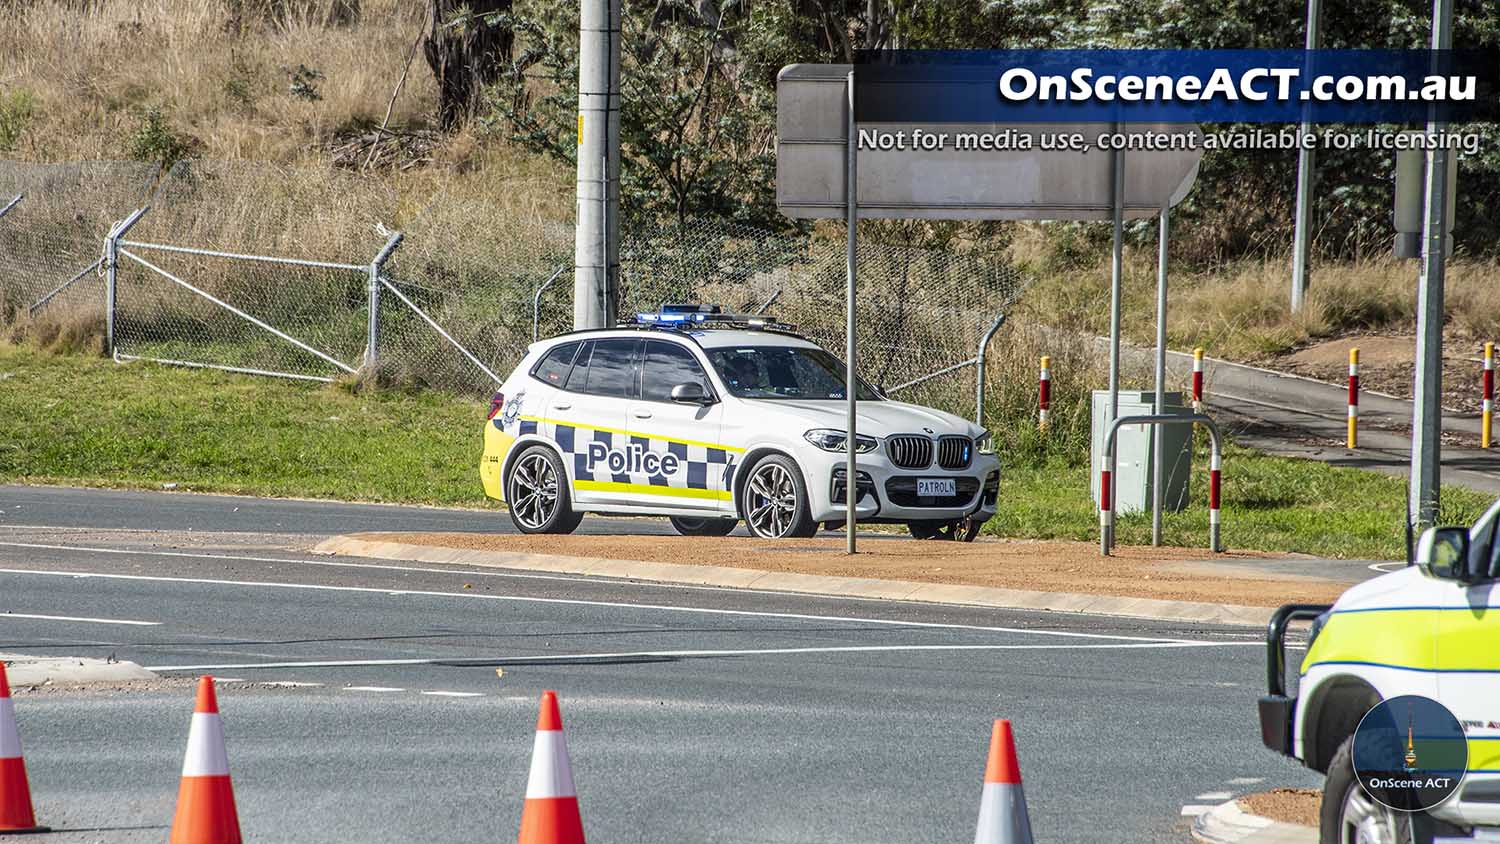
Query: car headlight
830	439
985	443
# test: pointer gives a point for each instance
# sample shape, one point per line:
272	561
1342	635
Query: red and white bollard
1213	503
1044	392
1353	439
1489	395
1106	511
1198	380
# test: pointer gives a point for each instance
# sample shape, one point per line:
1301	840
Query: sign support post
1161	377
851	209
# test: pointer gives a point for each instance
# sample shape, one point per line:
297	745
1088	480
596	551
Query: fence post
111	260
979	359
372	332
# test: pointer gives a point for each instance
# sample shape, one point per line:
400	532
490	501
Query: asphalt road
371	708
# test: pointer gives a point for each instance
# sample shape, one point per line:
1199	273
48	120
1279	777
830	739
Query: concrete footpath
1229	823
795	582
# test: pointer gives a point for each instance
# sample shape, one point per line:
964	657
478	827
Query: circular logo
1410	753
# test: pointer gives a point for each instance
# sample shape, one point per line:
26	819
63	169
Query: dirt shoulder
1176	574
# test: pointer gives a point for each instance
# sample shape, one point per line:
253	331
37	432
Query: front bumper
888	493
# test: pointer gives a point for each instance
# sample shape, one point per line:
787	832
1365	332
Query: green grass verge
1269	504
82	420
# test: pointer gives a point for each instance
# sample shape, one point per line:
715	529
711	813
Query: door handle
641	414
562	406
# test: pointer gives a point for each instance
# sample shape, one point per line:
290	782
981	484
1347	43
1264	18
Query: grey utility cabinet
1133	452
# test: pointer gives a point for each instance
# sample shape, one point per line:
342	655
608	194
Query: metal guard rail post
1106	489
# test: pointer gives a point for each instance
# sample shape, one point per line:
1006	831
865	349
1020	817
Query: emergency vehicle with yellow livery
710	418
1430	629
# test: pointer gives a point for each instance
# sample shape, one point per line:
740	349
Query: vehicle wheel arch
523	443
1332	714
742	474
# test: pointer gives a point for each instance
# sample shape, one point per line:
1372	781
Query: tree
468	47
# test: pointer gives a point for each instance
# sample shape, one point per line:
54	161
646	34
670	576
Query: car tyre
963	530
536	492
1350	816
774	500
703	527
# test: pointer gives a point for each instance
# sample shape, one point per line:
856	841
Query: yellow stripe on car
652	489
1404	638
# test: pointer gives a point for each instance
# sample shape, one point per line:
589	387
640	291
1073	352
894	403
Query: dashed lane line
80	619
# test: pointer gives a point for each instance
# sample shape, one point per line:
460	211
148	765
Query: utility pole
1427	395
596	244
1301	238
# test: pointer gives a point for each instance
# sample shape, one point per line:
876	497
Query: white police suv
709	418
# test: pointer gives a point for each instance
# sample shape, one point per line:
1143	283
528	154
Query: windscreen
783	372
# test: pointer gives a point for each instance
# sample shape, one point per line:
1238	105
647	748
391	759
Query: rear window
554	366
607	368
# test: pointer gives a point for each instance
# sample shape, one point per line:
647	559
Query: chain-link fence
274	271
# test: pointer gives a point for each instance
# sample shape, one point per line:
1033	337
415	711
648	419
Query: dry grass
220	79
1241	309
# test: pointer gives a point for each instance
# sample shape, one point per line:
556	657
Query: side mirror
1444	552
690	393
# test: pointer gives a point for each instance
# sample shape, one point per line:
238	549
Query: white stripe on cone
10	738
205	751
1002	815
551	775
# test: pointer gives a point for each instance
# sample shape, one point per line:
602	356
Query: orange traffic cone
551	812
1002	809
205	800
16	815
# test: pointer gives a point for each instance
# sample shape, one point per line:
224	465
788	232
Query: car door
677	460
587	420
1469	666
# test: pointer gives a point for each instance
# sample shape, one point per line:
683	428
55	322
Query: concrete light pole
1427	393
596	243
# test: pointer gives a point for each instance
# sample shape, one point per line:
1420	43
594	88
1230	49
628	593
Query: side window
610	370
579	377
666	366
553	368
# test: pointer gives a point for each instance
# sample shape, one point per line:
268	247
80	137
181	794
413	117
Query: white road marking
929	625
1246	780
1386	568
1194	810
455	570
455	694
290	684
373	689
81	619
1215	795
229	679
460	662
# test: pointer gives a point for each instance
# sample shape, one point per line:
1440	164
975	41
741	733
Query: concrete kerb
28	670
1227	823
807	584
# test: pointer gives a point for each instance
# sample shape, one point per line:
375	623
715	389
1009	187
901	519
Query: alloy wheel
772	508
1363	821
533	491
